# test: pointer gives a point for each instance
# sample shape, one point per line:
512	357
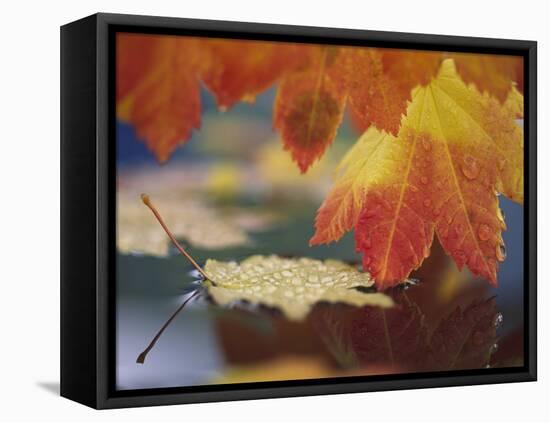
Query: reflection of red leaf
380	340
510	350
464	340
246	338
393	337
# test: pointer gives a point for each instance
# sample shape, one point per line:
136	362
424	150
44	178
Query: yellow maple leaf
455	150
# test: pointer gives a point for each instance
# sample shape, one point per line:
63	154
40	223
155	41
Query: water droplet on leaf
426	144
460	257
459	229
470	168
374	265
500	252
484	232
367	242
499	318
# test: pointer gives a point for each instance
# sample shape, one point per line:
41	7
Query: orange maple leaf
158	85
493	74
381	81
241	69
455	150
158	88
310	105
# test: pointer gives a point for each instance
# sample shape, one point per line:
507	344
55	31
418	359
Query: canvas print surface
293	211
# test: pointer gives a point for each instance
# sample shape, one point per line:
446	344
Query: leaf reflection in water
369	340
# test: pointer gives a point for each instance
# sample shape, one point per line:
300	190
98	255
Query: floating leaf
191	220
455	150
292	285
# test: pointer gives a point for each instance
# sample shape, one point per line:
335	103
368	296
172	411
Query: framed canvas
257	211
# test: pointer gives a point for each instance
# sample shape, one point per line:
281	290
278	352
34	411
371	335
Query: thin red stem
147	201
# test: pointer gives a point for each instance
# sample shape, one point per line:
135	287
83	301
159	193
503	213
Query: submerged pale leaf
292	285
191	220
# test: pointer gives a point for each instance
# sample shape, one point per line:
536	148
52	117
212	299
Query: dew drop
367	242
500	215
436	212
500	252
413	188
499	318
426	251
374	266
386	205
460	257
501	163
424	180
484	232
449	219
494	348
369	213
426	144
427	202
470	168
459	228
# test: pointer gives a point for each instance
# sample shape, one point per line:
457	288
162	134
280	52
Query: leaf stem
147	201
141	358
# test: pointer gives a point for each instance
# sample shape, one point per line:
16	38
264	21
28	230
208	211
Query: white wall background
29	206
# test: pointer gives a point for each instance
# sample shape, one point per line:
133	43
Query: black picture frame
88	219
